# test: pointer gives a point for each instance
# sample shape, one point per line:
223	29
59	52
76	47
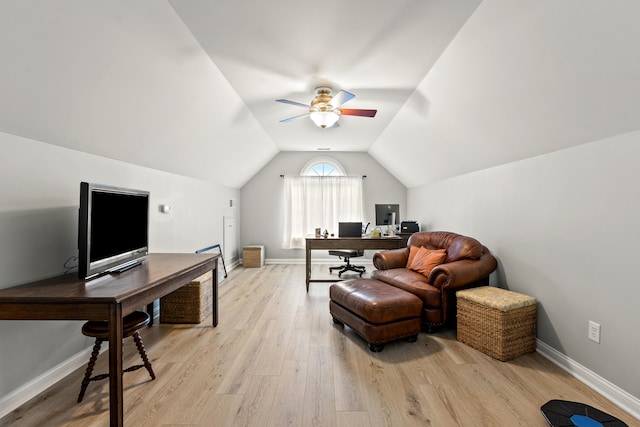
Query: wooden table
356	243
109	297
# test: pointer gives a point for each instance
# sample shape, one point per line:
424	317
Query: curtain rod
282	176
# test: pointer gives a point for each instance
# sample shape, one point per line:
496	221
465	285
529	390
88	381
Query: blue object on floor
562	413
584	421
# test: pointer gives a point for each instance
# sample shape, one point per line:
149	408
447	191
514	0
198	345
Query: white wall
262	197
128	81
39	199
564	227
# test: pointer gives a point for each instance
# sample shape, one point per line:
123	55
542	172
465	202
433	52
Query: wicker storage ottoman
253	256
192	303
497	322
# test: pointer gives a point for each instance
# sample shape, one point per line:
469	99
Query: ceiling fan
325	109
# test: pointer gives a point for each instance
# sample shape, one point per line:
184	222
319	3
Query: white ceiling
189	86
380	51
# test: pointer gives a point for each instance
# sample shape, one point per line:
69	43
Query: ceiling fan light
324	119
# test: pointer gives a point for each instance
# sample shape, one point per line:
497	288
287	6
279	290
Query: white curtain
318	202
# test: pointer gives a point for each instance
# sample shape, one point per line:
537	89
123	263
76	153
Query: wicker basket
497	322
192	303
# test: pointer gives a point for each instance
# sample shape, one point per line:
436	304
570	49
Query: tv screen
387	214
113	231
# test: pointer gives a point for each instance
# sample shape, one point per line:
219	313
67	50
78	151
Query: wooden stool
100	331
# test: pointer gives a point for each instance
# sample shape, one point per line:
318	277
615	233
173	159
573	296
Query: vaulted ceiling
189	86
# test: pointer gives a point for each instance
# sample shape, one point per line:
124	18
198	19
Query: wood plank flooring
277	359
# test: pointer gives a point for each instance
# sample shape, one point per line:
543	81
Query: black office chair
347	255
348	229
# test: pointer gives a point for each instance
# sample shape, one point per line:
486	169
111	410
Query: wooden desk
316	243
109	297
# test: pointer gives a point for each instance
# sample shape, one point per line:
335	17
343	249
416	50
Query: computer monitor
350	229
387	214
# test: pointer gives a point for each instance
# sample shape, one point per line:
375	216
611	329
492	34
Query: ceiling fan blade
286	101
340	98
357	112
290	119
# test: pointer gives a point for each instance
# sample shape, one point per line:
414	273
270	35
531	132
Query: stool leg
92	364
143	354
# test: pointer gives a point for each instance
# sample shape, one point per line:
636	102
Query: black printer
409	227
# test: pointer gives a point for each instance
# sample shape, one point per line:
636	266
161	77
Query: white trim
284	261
236	263
612	392
31	389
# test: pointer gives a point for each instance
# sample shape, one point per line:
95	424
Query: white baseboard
233	264
612	392
226	269
284	261
28	391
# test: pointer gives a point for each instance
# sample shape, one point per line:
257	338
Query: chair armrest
458	274
393	258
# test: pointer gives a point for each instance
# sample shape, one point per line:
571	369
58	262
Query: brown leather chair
467	264
100	331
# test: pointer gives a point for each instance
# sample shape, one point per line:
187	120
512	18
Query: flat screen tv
387	214
113	229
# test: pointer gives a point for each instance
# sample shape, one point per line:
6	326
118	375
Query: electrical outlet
594	331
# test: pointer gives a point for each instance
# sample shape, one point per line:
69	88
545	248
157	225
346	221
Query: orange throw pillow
426	259
413	250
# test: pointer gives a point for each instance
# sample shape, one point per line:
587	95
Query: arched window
321	197
322	166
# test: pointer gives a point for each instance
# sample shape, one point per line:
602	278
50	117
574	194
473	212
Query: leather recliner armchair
467	264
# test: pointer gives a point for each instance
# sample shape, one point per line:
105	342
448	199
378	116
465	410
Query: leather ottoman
378	312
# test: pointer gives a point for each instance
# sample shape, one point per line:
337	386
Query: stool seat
130	324
99	330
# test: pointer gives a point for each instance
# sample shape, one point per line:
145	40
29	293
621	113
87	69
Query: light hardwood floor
277	359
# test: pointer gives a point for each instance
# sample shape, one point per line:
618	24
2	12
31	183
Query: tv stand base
125	267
